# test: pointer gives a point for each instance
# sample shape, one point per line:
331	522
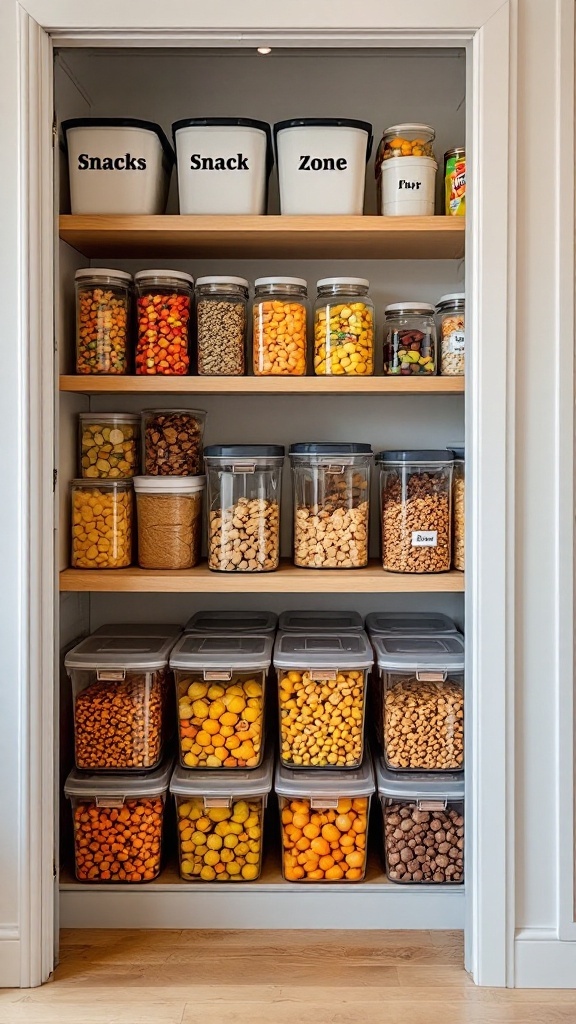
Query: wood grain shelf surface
287	580
247	237
91	385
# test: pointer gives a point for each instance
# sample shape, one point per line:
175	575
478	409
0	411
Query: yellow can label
455	185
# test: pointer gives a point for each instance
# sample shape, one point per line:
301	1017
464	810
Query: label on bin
110	801
319	163
111	163
111	675
239	162
320	802
210	676
424	538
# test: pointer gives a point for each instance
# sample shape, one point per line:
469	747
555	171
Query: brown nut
459	520
410	860
424	507
173	443
424	725
334	534
245	537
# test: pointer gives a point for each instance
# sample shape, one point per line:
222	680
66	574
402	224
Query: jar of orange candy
163	305
279	321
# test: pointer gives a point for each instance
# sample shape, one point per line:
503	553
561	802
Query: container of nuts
221	822
172	442
420	700
416	510
324	822
220	690
119	691
459	509
244	483
103	305
451	317
322	681
118	824
423	825
109	444
221	325
331	504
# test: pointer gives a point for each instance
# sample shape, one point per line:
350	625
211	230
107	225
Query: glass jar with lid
343	327
451	315
221	325
102	513
406	140
164	306
279	326
102	320
409	339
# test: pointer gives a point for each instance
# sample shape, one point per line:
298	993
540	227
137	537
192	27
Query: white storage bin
223	164
117	165
322	164
408	186
308	621
215	623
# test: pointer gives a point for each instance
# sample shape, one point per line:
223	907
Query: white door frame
28	32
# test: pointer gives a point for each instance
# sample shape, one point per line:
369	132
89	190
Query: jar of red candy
163	305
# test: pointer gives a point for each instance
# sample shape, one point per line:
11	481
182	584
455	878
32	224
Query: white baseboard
9	957
542	960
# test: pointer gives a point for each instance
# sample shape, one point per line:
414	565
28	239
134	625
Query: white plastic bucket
322	165
407	186
117	165
223	165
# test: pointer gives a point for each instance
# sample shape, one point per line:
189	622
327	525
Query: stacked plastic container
120	691
418	691
324	776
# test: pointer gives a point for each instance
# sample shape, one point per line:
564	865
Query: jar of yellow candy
102	513
343	327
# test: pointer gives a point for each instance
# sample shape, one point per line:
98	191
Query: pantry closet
433	71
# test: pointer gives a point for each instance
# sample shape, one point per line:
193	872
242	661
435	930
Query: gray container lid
122	786
213	623
147	653
418	785
319	651
220	653
409	624
226	784
330	785
139	629
321	621
414	653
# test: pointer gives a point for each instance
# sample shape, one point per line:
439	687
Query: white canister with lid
406	171
322	164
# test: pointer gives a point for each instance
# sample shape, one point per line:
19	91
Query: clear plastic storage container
320	622
322	695
343	327
409	624
416	510
244	483
410	339
459	509
103	300
331	504
118	824
102	514
421	702
221	822
109	444
220	690
221	325
423	825
279	338
169	521
172	442
451	317
324	822
119	691
169	630
217	623
163	307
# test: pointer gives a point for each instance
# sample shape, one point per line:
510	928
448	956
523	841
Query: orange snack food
164	305
330	845
101	524
118	844
279	327
102	314
220	725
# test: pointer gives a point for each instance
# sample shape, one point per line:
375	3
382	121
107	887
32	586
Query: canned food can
455	182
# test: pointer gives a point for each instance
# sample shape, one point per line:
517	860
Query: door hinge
54	479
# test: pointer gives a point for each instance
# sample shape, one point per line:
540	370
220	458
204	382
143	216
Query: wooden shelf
287	580
91	385
238	237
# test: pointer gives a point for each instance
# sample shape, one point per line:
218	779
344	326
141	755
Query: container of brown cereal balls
322	698
423	826
416	510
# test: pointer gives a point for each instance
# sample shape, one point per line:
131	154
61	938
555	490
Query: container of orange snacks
405	171
118	824
279	326
324	822
220	691
163	307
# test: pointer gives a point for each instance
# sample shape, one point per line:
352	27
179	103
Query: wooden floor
279	977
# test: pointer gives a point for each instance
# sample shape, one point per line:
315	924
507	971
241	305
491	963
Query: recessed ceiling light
264	49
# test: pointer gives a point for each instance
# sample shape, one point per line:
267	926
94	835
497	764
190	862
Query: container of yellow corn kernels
322	697
220	692
343	328
221	822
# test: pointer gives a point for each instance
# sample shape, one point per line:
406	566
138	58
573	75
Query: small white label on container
404	184
456	341
424	538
